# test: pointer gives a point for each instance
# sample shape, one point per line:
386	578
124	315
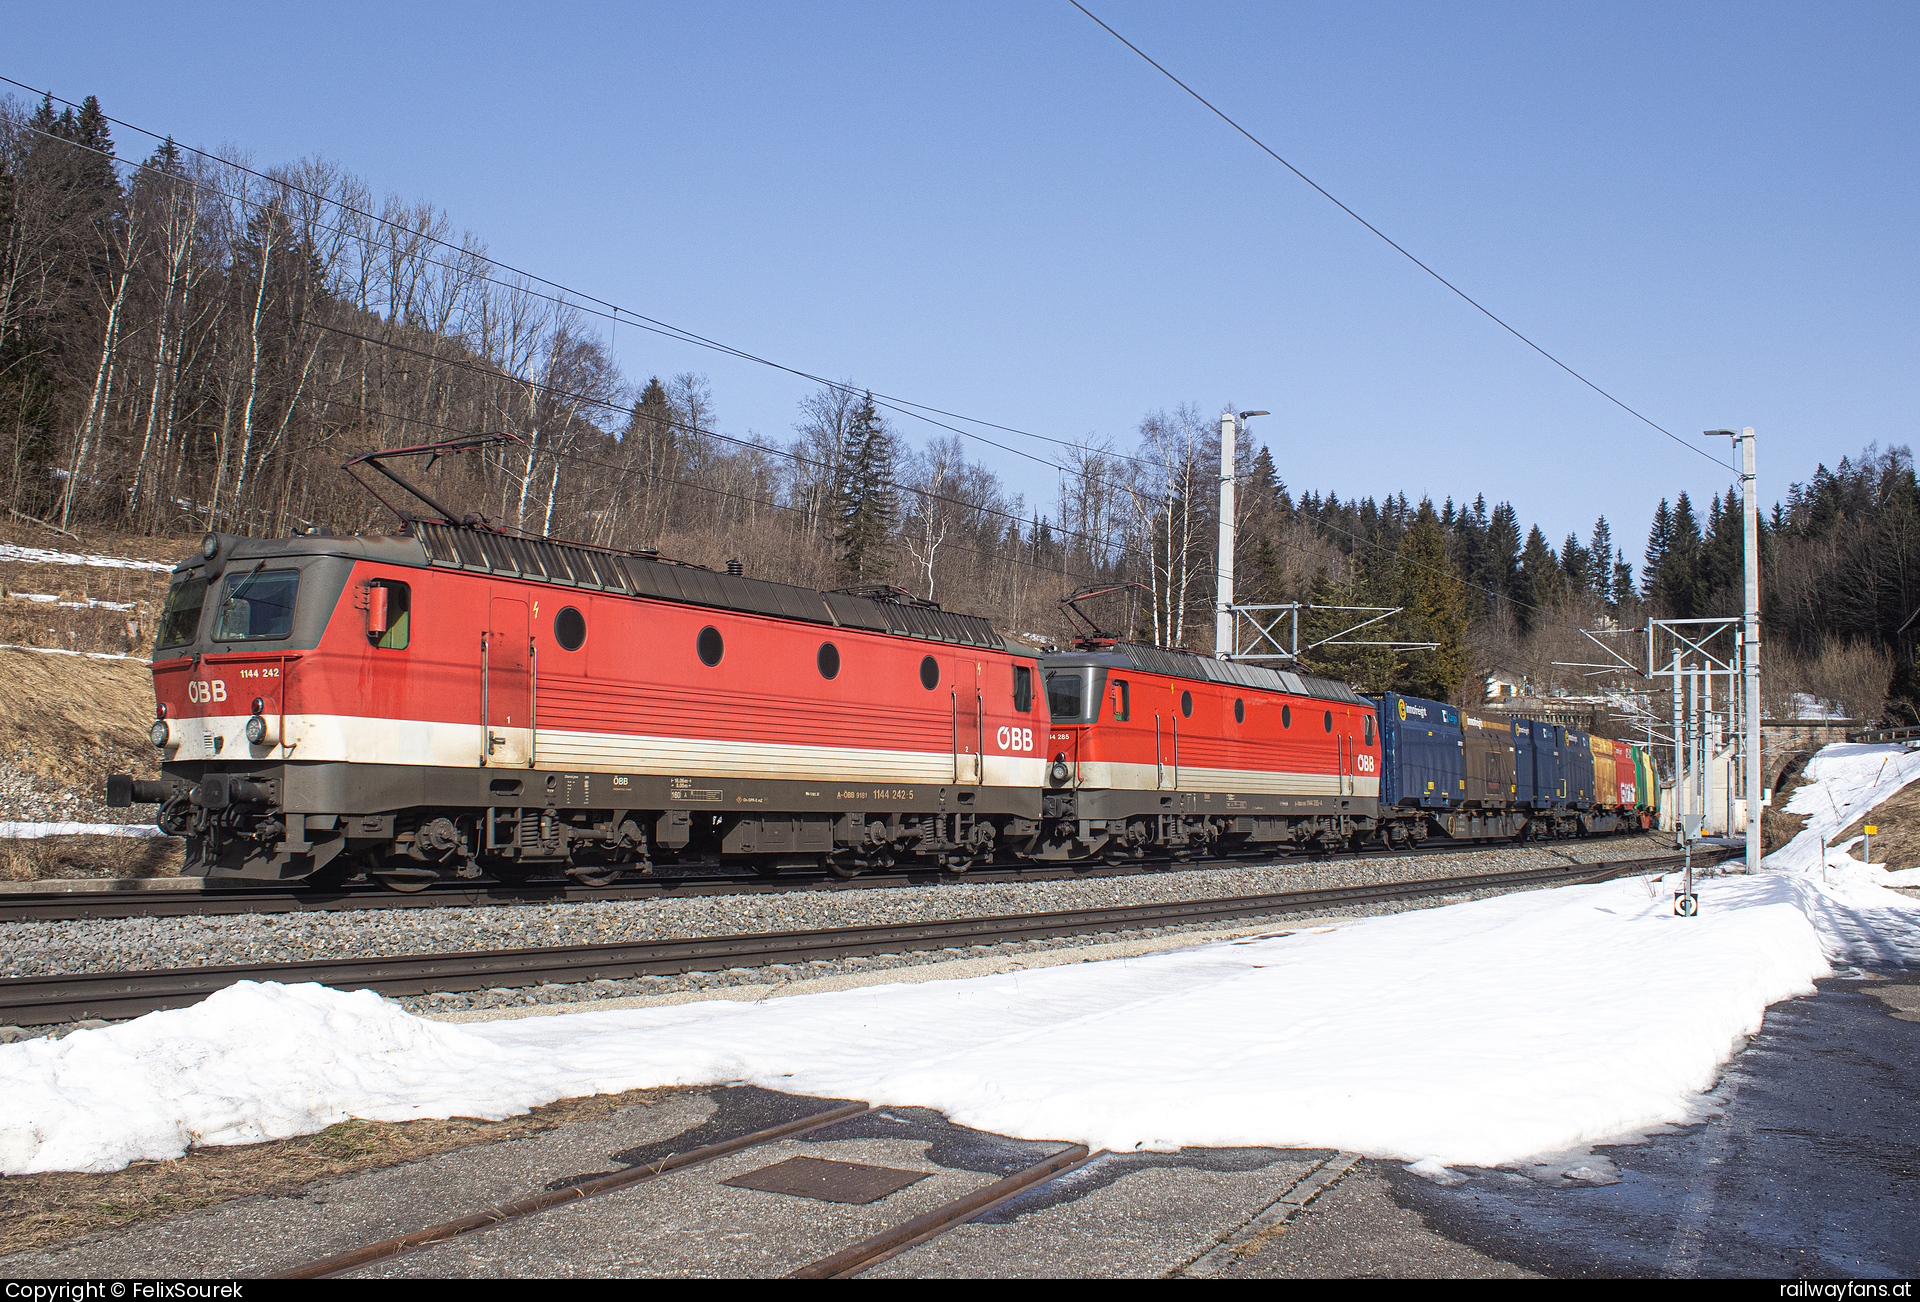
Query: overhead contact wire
1393	244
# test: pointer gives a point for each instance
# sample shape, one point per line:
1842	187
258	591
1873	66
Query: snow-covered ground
17	831
1478	1034
62	651
1846	781
53	599
15	552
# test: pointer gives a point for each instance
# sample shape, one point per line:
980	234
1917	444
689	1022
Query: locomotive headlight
257	731
210	546
159	733
259	705
1060	772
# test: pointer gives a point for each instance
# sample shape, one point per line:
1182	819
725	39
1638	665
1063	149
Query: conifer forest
192	343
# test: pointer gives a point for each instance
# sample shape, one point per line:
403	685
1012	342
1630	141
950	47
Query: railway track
52	1000
211	901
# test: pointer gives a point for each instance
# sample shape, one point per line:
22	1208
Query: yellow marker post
1871	829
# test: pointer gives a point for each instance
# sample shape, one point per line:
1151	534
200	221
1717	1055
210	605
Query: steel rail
327	1267
50	1000
215	901
897	1239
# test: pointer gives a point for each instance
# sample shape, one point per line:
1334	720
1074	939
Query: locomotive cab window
257	606
181	619
1122	704
389	614
1022	688
1066	694
1369	730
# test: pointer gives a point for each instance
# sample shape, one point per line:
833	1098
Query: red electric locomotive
1170	752
458	701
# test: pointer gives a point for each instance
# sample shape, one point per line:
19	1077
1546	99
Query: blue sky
1708	210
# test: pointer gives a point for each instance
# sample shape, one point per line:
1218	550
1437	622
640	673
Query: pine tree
1575	565
1600	559
869	502
1499	564
1659	543
1539	584
1622	580
1435	602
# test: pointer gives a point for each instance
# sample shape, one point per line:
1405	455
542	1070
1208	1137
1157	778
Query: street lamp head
1719	433
1245	414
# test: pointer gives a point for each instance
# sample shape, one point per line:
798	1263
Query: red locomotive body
1164	751
459	701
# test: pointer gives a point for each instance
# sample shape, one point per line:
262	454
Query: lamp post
1223	593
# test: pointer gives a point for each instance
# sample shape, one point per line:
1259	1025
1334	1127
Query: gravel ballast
120	944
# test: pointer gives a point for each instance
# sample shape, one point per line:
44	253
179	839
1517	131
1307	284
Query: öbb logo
201	693
1015	738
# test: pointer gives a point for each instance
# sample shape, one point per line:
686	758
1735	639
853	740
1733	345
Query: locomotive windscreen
257	606
181	619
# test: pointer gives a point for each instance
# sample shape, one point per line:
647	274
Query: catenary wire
1464	296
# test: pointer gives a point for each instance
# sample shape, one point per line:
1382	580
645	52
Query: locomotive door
506	686
1166	771
969	723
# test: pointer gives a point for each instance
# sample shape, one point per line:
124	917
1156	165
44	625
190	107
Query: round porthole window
828	660
570	629
1239	710
1286	716
1186	704
929	673
1328	720
710	646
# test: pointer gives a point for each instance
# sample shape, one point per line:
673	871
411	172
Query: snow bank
29	830
1474	1034
253	1062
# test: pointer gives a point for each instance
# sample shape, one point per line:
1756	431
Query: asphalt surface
1811	1170
1807	1171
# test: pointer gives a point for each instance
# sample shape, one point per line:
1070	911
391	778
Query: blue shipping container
1420	752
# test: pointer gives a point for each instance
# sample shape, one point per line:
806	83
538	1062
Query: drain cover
833	1182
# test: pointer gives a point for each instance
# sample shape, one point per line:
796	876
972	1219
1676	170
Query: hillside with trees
194	342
